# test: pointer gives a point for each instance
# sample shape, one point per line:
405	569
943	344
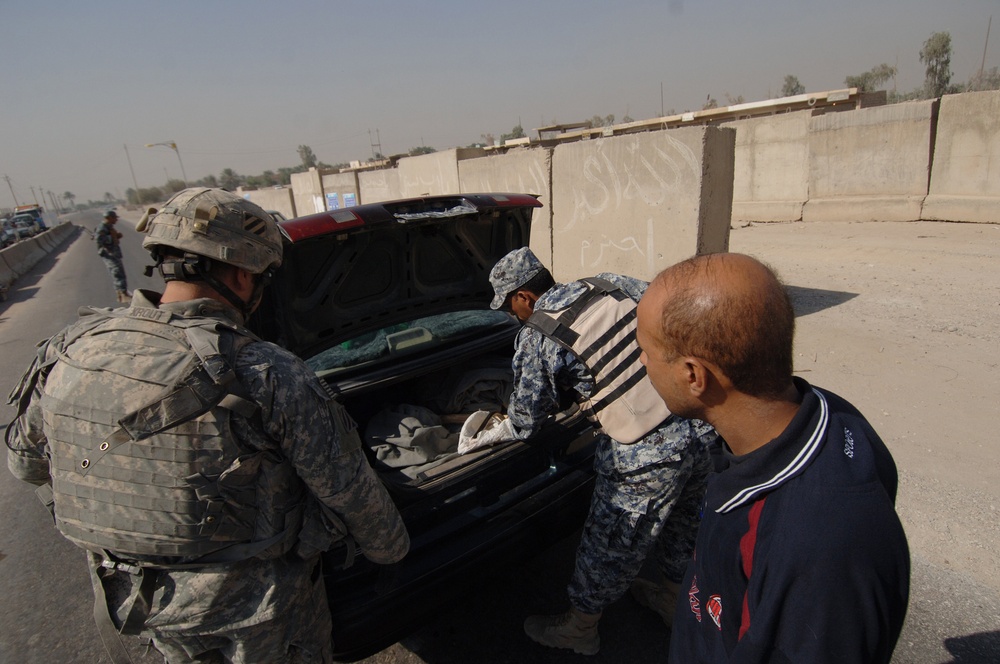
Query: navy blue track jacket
800	555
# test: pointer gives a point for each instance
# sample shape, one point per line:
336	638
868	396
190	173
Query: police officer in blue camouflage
652	467
203	470
108	240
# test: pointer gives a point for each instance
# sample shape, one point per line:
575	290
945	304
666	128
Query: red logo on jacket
714	607
693	599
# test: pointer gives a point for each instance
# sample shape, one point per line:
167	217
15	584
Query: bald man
800	556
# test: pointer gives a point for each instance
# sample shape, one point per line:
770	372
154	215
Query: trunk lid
356	270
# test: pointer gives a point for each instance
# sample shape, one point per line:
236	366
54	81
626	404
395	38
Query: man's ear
706	381
696	375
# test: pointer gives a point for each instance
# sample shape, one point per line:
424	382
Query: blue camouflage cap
511	272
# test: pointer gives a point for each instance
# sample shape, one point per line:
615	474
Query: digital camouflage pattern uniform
255	610
111	253
647	494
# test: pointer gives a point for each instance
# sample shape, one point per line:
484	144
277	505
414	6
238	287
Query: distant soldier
652	467
110	251
203	469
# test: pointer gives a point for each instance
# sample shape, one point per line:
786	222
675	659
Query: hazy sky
241	84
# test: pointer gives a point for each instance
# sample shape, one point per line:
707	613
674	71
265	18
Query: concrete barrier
17	259
24	255
7	275
275	198
965	172
526	171
307	190
341	190
871	164
638	203
771	172
380	185
47	240
435	173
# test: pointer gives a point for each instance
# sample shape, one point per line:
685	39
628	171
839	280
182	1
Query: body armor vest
168	481
599	328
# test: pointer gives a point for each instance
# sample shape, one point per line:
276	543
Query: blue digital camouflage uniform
111	253
256	610
647	495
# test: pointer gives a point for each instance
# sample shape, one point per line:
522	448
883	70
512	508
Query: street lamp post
173	146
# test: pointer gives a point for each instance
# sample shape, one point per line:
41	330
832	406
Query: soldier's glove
484	428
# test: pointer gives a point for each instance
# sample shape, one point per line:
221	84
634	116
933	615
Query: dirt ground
903	320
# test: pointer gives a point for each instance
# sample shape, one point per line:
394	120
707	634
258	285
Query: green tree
710	103
109	197
423	149
174	185
792	86
870	80
516	132
936	56
69	196
987	80
144	196
229	179
598	121
307	156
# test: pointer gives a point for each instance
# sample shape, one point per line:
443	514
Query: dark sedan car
389	304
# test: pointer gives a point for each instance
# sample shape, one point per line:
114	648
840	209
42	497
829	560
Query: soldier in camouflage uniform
110	251
203	469
647	494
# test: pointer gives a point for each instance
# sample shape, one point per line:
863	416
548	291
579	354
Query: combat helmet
216	224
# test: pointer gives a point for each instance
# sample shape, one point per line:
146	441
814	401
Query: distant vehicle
7	235
28	225
37	212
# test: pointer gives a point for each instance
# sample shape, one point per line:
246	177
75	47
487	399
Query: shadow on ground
486	626
983	648
810	300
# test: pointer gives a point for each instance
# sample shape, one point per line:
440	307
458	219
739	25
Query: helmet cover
216	224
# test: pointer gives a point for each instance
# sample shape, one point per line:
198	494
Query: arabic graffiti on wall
624	187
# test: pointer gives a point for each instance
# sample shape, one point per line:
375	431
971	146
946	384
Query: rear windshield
419	335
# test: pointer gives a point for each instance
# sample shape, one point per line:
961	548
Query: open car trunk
388	304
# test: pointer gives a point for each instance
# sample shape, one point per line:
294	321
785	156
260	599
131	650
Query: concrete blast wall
871	164
435	173
638	203
771	174
380	185
965	173
526	171
340	190
308	192
272	199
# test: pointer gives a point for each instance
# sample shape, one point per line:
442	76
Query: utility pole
983	65
7	178
173	146
33	195
376	145
661	99
133	174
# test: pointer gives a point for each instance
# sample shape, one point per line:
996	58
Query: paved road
45	615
